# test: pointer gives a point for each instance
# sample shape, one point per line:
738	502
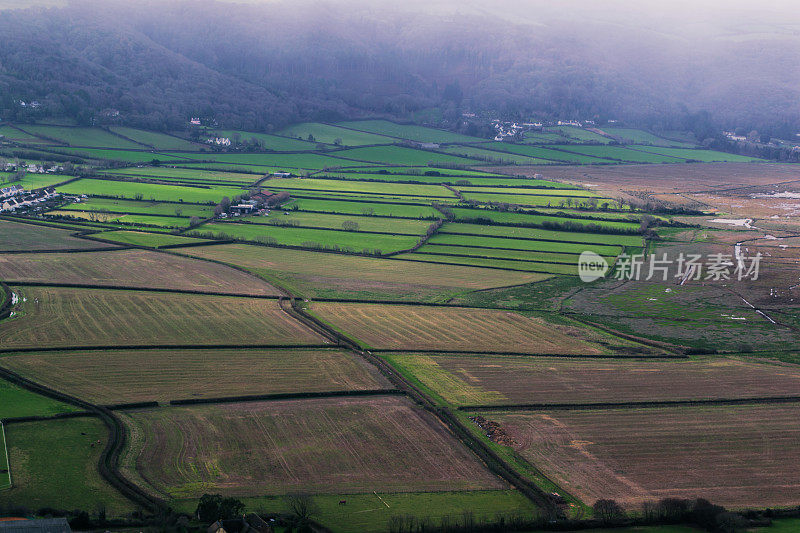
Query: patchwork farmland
387	315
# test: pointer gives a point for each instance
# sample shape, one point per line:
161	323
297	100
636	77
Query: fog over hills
262	64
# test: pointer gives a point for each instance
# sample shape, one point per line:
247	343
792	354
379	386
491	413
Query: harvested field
486	380
738	457
318	445
131	268
124	376
676	177
63	317
15	236
316	274
17	402
407	327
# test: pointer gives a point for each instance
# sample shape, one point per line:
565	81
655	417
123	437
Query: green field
366	187
188	175
329	134
531	233
364	208
371	513
519	244
34	181
409	131
620	153
274	143
83	137
158	141
304	160
488	181
705	156
18	402
579	134
149	191
154	240
54	464
630	135
400	155
546	153
140	207
126	156
397	226
307	238
495	157
500	217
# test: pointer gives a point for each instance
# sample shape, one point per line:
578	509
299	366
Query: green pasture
501	243
330	134
149	191
84	137
400	155
532	233
633	136
392	189
332	221
275	143
363	208
500	217
494	157
152	240
409	132
140	207
579	134
156	140
548	153
305	237
18	402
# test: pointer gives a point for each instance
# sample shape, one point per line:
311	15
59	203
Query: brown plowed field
131	268
408	327
743	456
122	376
319	445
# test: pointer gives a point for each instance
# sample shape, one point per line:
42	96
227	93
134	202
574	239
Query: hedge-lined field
521	218
185	174
706	156
163	223
34	181
127	376
495	156
302	160
642	137
21	236
479	260
400	155
140	207
131	268
149	191
139	238
63	317
313	274
84	137
500	243
339	446
409	131
18	402
389	189
270	142
366	208
533	233
408	327
508	380
54	465
327	133
159	141
736	456
540	152
336	221
308	238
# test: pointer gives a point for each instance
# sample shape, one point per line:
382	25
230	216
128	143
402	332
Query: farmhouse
251	523
243	209
261	198
8	192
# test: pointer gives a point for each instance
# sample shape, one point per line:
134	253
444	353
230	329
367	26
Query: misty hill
261	65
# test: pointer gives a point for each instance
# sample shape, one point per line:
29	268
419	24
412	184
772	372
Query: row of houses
32	168
25	200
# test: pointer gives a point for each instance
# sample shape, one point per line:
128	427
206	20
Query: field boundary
142	289
8	462
631	405
490	353
108	465
161	347
288	396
